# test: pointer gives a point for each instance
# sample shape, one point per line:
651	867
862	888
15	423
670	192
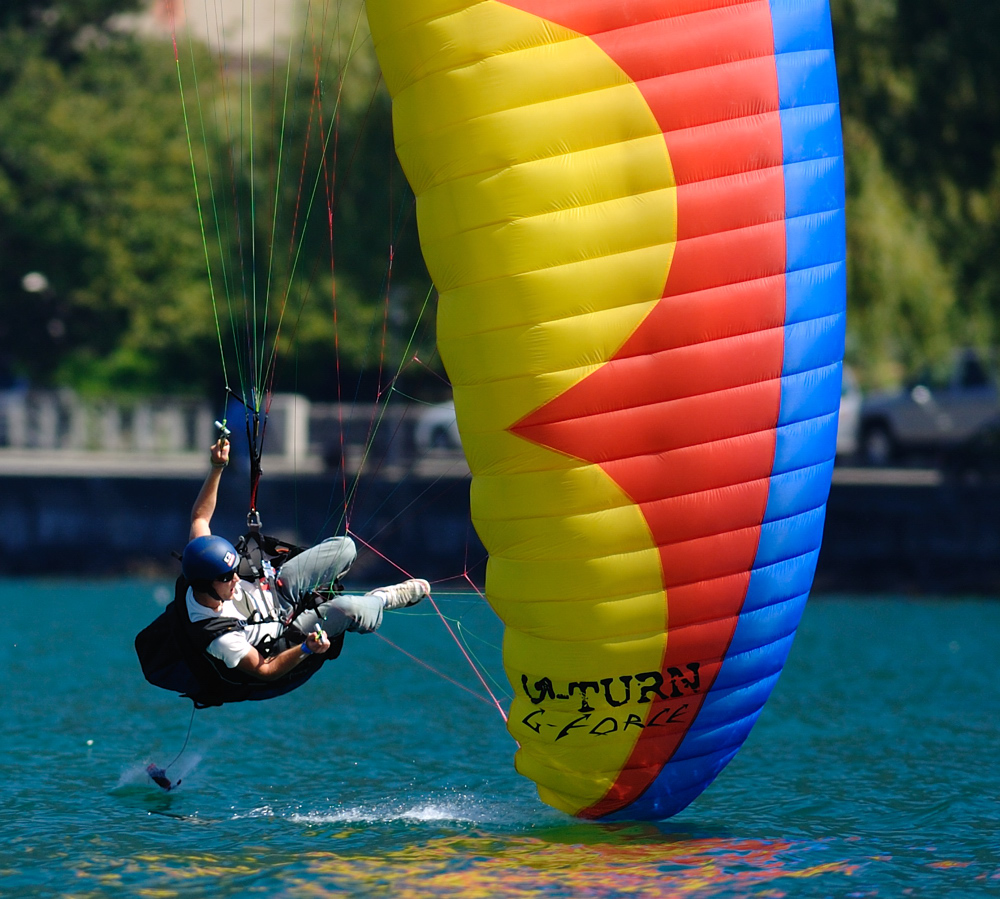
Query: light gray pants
316	569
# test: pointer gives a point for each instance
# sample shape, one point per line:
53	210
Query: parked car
437	428
849	420
932	414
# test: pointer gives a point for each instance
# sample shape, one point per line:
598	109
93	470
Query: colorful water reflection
638	862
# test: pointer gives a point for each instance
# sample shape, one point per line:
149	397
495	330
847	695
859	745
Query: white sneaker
399	596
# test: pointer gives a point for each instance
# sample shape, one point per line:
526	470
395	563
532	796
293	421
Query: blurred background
201	208
168	169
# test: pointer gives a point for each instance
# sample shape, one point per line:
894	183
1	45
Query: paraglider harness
173	650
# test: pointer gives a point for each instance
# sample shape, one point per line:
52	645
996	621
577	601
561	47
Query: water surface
872	772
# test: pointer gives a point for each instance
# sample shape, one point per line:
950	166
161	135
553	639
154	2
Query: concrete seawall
911	532
111	524
904	531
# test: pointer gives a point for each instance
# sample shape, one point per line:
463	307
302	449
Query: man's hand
318	641
275	666
220	453
204	505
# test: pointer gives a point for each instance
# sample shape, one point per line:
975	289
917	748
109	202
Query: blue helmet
208	558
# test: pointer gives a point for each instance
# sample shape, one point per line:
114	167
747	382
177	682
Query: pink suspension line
444	621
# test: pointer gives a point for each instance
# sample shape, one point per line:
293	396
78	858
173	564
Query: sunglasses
226	578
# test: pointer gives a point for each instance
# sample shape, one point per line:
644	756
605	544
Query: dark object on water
159	777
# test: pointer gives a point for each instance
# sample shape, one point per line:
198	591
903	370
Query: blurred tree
96	197
920	91
60	30
948	141
312	239
94	188
901	296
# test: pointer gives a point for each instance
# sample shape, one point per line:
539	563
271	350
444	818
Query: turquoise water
872	772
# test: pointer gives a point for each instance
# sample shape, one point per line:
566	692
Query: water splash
456	810
138	775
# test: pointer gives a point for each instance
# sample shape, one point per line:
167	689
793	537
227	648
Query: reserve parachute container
633	213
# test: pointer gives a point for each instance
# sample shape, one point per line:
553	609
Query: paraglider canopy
634	215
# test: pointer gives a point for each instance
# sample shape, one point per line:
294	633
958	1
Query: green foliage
304	143
60	29
97	195
920	91
152	285
901	296
95	189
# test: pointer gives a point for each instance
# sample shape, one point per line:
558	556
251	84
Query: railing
47	432
53	421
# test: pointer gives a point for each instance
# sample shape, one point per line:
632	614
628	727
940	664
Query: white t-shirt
232	647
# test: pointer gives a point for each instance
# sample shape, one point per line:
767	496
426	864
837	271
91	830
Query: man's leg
317	567
358	614
363	614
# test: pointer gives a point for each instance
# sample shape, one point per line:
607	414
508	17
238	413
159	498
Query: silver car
932	414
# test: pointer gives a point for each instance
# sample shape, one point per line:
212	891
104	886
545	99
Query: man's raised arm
204	505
